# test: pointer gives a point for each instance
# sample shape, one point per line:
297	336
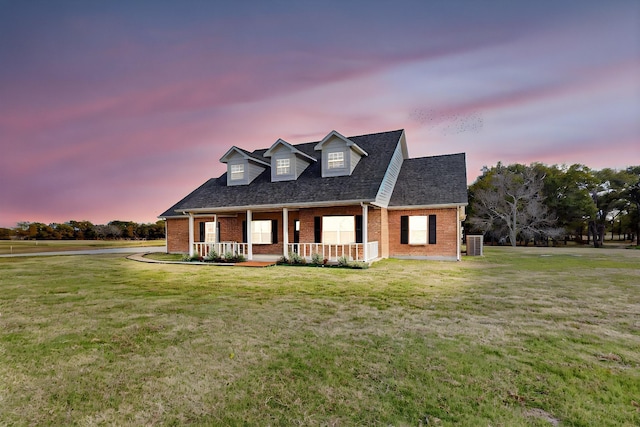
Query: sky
115	110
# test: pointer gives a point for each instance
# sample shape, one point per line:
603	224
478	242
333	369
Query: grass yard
33	246
520	337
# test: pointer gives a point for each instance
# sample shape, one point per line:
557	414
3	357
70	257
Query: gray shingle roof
363	184
435	180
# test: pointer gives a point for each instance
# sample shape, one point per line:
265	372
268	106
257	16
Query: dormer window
340	155
283	166
242	166
335	160
237	172
287	162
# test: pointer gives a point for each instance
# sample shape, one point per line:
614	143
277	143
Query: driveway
132	250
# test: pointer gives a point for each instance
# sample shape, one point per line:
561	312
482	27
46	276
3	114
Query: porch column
365	231
285	231
215	228
458	233
190	234
249	244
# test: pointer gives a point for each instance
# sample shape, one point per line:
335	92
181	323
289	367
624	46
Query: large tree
511	198
567	196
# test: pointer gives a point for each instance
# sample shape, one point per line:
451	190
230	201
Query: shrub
343	261
316	259
296	259
282	260
212	256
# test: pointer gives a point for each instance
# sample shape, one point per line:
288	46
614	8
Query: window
261	231
237	172
338	229
335	160
417	230
283	166
210	232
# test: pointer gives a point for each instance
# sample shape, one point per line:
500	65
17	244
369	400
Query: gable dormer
242	166
287	162
340	155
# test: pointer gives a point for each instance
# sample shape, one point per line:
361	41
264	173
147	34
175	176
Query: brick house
361	197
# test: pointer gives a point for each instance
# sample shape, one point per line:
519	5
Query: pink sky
116	110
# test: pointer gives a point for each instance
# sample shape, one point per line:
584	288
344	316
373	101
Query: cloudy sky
117	109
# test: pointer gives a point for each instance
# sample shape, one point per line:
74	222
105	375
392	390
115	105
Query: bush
295	259
316	259
212	256
343	261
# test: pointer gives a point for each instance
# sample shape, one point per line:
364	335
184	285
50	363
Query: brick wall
446	234
177	235
384	227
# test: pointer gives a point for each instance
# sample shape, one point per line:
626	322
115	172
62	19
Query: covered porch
260	234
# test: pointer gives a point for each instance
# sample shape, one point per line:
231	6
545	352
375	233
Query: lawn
519	337
32	246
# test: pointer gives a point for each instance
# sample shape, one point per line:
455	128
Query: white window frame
210	231
283	166
344	228
335	160
418	229
237	171
261	232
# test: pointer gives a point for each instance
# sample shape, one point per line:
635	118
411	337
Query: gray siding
391	175
300	165
333	145
354	159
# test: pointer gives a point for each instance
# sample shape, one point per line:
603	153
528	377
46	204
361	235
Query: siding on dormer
251	170
297	164
335	145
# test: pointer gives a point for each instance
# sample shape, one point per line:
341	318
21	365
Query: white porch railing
221	248
331	252
372	250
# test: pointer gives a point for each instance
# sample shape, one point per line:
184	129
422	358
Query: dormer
287	162
340	155
242	166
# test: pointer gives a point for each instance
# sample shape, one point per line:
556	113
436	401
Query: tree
513	200
607	195
567	196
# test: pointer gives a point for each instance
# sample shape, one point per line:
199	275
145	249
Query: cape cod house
361	197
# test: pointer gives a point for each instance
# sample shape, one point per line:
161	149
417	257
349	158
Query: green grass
520	337
32	246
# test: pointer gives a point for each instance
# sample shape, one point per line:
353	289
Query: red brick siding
446	233
177	235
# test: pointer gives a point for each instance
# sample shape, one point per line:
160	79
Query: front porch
331	252
328	233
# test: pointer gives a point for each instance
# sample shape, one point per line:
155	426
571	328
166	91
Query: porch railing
331	252
221	248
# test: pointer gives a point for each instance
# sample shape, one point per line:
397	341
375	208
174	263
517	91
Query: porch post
215	228
190	234
365	231
249	244
285	231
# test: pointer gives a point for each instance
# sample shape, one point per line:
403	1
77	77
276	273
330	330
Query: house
361	197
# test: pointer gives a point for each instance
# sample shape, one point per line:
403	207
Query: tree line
84	230
534	203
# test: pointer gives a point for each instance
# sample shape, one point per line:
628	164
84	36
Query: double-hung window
338	229
237	172
418	229
210	232
283	166
261	231
335	160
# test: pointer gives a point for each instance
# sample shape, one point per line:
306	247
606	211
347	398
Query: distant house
361	197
